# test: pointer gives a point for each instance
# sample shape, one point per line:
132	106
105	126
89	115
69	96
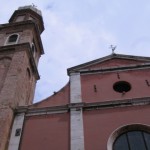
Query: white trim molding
77	135
75	88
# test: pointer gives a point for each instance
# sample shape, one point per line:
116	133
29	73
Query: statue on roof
113	48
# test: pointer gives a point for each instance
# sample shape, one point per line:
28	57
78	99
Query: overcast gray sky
78	31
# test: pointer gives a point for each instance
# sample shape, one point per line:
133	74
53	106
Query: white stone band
16	132
76	121
75	88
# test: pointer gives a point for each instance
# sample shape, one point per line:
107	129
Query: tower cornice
30	11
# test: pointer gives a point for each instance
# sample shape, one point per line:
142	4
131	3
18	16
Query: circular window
122	86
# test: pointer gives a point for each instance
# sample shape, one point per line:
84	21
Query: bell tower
20	50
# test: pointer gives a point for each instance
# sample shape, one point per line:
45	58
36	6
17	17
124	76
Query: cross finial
34	5
113	48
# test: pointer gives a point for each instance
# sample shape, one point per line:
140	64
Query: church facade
104	106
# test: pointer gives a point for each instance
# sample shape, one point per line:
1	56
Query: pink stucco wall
99	124
104	84
46	132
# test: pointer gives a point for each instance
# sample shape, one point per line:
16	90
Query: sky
78	31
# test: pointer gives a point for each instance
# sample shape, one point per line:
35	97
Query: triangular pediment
110	61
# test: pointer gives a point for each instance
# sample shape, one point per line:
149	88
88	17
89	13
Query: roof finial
34	5
113	48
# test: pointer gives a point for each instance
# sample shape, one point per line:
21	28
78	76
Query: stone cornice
42	111
81	67
114	69
85	106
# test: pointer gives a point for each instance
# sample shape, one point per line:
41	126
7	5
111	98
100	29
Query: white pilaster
76	121
16	132
75	88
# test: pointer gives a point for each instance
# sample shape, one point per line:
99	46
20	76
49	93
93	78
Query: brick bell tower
20	50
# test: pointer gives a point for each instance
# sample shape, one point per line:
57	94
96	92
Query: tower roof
32	8
35	13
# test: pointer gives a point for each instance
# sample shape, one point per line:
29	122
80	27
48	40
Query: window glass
33	48
122	86
147	139
133	140
13	38
122	143
136	140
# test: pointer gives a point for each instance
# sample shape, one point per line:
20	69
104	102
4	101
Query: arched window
130	137
33	49
12	39
133	140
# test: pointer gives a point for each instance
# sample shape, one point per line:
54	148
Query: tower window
33	49
12	39
20	18
122	86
